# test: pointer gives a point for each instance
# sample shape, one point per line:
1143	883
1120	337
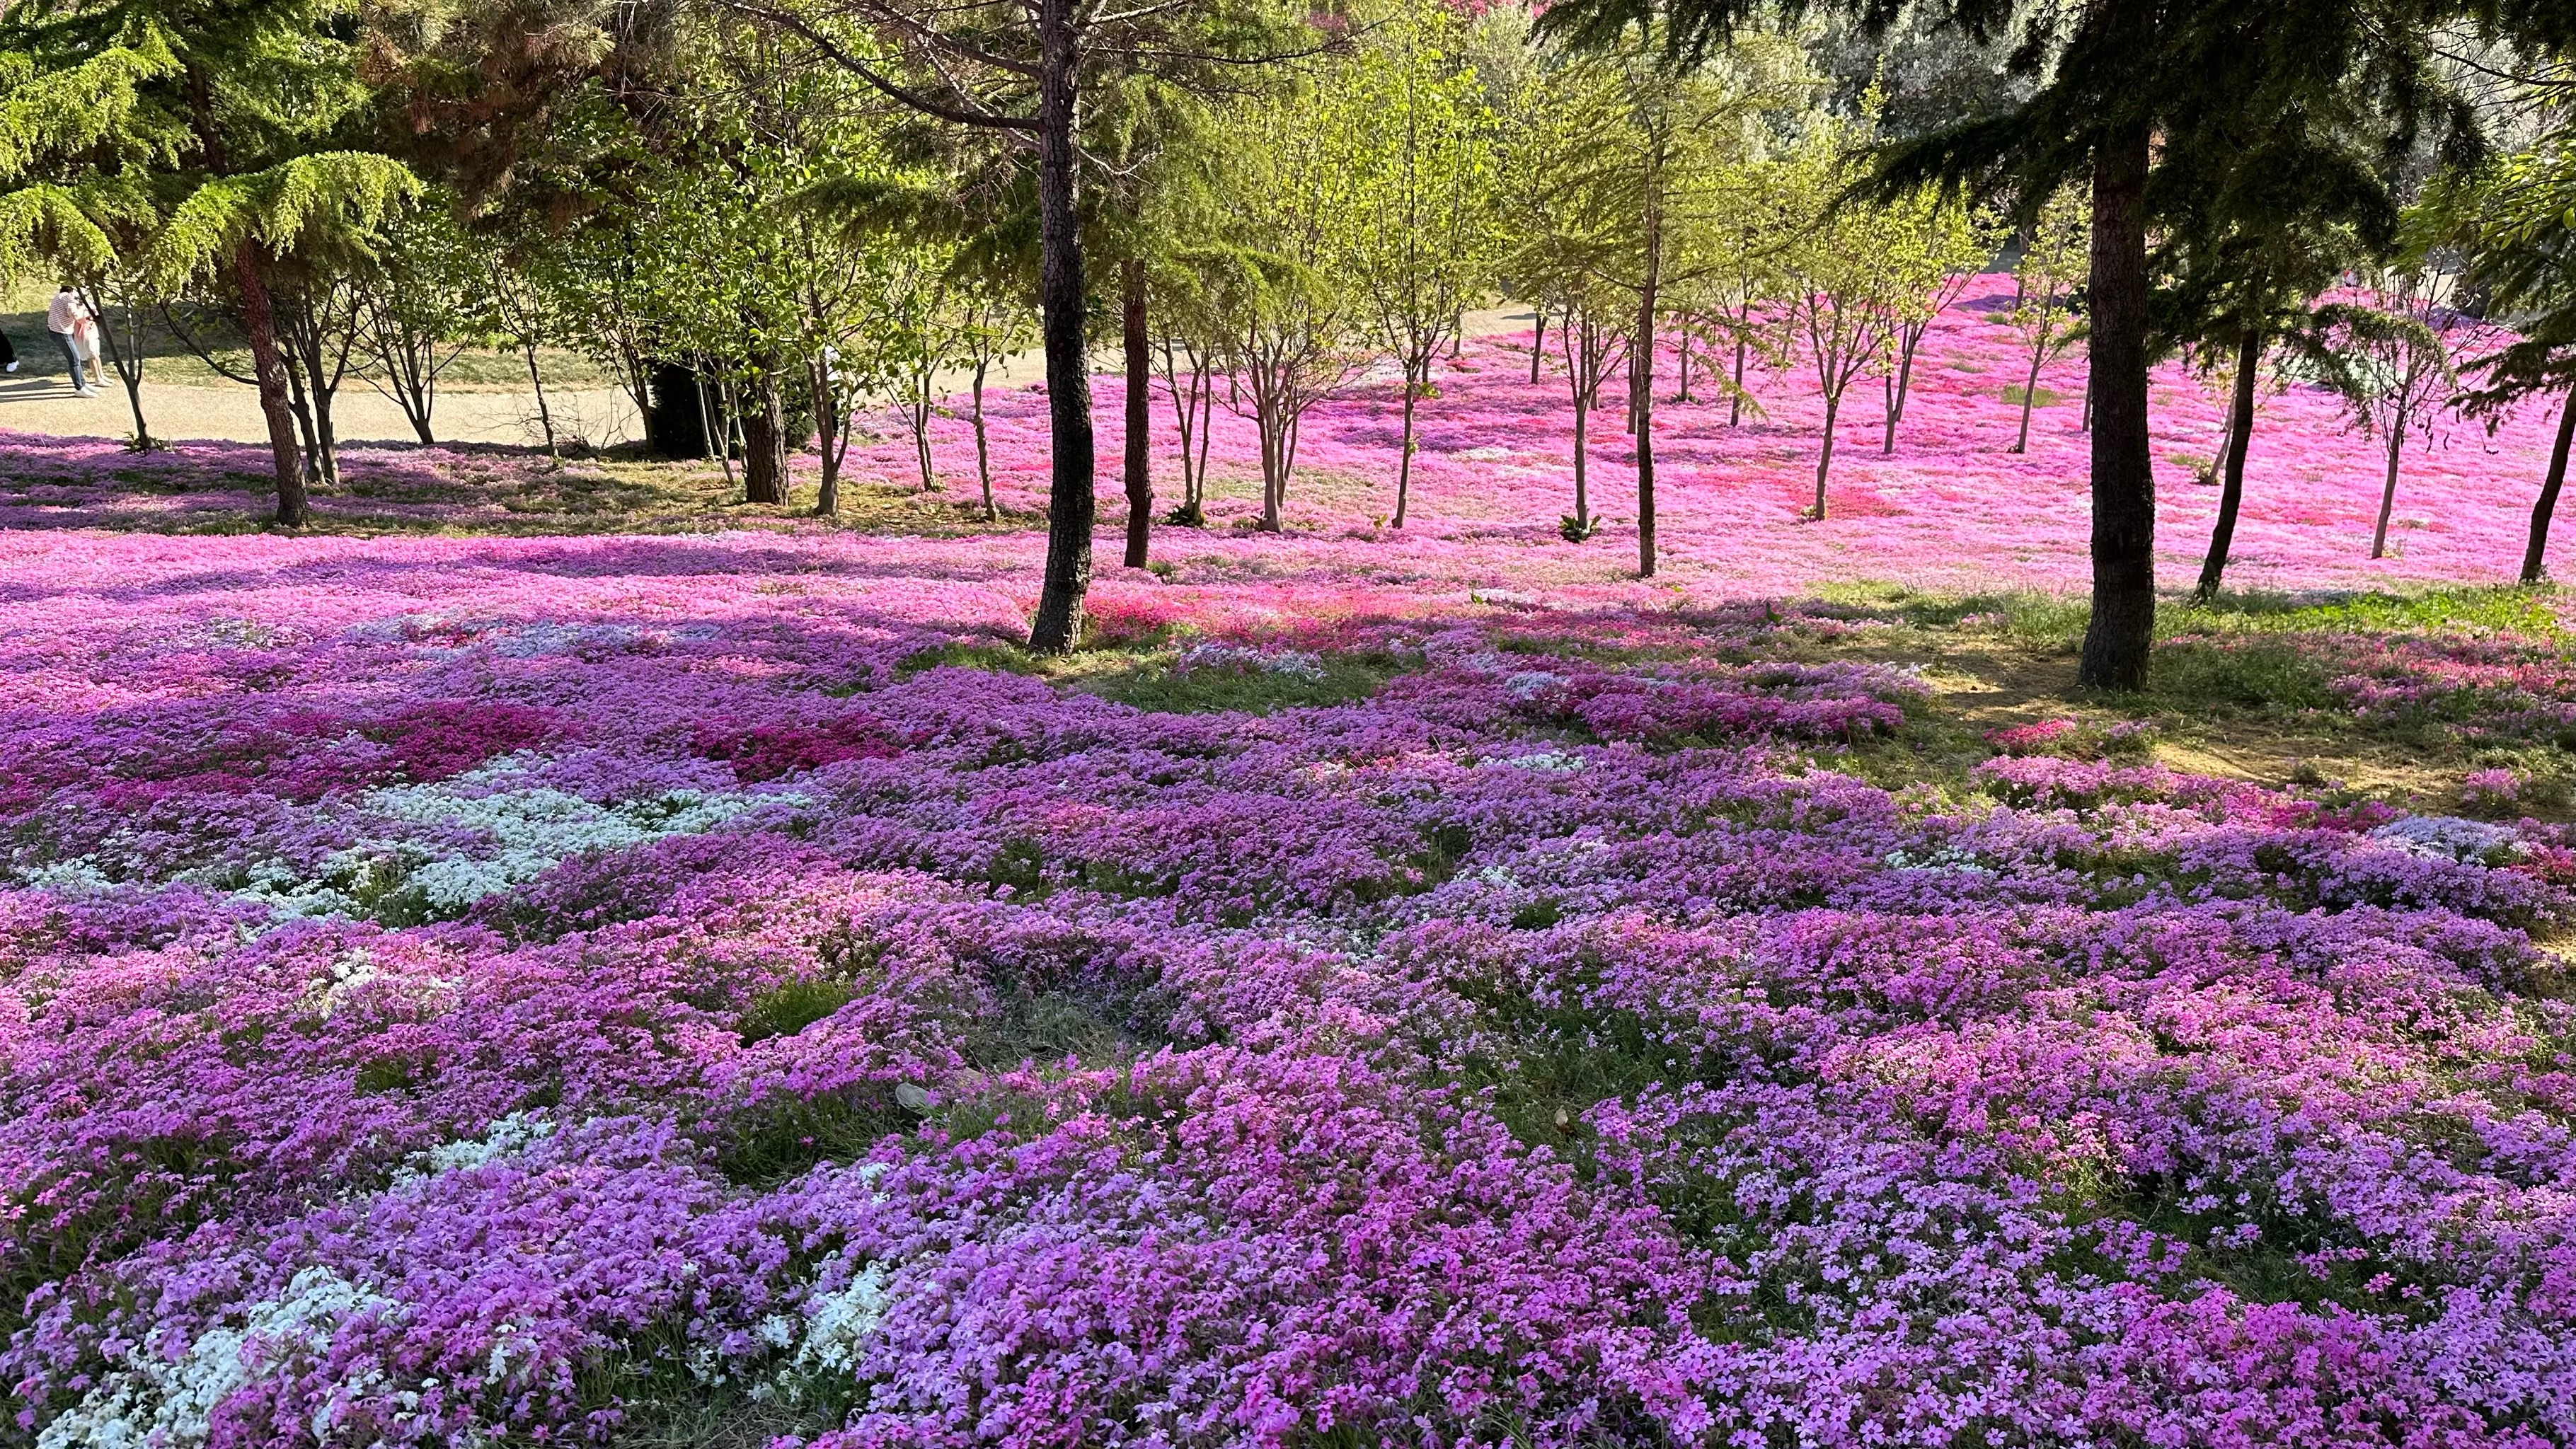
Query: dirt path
34	402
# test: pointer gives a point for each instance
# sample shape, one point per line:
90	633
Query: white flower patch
1238	659
503	1137
1548	761
80	873
521	830
1486	454
841	1322
151	1402
2447	837
350	970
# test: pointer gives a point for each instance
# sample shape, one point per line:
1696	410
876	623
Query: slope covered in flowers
461	991
1952	507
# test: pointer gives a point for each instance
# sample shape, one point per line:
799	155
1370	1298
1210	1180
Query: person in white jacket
64	318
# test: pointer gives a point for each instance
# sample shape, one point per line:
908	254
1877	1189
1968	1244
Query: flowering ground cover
712	988
1950	508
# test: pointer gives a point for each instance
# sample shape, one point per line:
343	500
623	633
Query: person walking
8	354
63	318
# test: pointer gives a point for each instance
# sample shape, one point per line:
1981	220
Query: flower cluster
465	992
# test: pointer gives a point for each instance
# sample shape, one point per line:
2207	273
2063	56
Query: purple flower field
694	990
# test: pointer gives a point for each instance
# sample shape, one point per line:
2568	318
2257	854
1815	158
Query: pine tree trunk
2122	630
259	324
1070	501
1140	423
2532	568
2240	438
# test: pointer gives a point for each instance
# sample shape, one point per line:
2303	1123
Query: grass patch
1156	685
2040	397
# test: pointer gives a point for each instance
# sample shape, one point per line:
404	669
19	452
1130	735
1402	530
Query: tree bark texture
1139	457
2231	488
2122	631
259	323
2533	570
764	444
1070	504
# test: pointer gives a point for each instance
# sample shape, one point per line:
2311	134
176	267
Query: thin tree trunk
1070	502
1641	359
1140	422
1538	343
1905	366
2388	490
2532	568
724	432
983	443
1207	434
1682	394
1735	400
1404	464
1825	457
2030	394
1582	494
2122	629
2231	491
1887	387
827	428
545	414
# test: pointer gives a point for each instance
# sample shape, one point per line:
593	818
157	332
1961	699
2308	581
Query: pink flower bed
1952	508
458	991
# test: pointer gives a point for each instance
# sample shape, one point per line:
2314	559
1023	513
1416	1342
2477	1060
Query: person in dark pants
63	319
8	354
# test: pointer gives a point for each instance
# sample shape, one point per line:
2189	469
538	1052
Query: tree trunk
764	445
1641	370
2231	491
1887	389
983	442
1681	394
1905	366
545	414
259	324
1582	454
827	430
1538	344
2122	630
2388	490
1140	422
1070	503
1825	458
2030	389
2532	569
1735	400
1404	464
